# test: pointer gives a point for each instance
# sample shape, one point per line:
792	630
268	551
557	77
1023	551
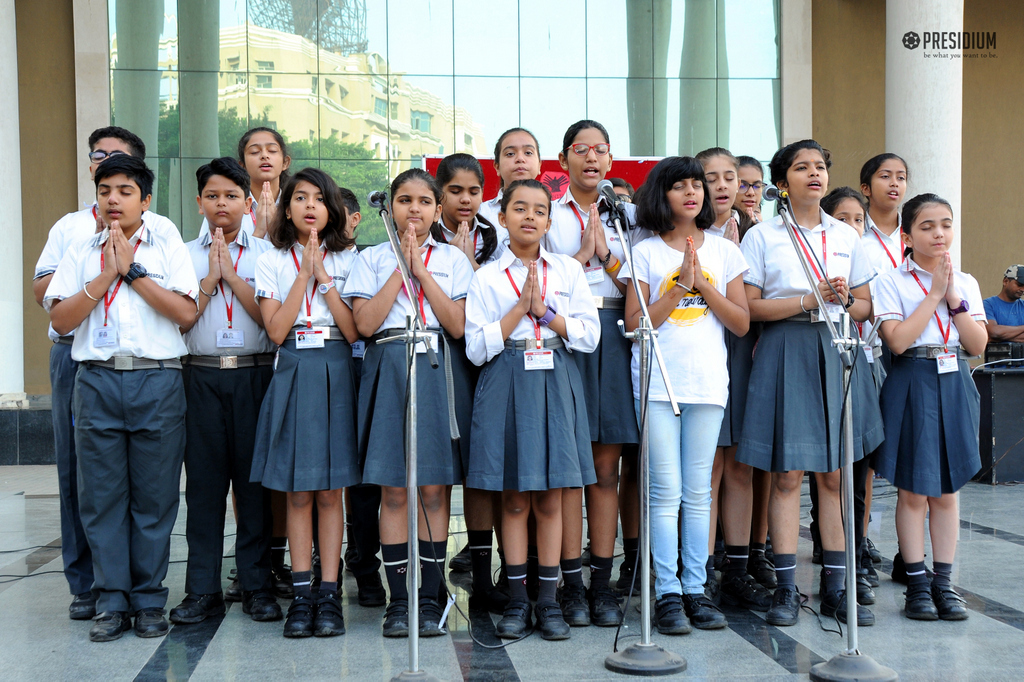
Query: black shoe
769	551
719	557
430	618
865	595
300	618
833	603
532	580
785	607
869	572
83	607
195	608
816	554
950	605
745	592
605	610
493	601
282	577
259	605
702	613
461	562
110	625
329	621
370	590
351	556
625	579
669	617
233	593
151	623
712	590
585	555
763	571
575	609
550	622
396	619
899	570
876	556
516	621
919	604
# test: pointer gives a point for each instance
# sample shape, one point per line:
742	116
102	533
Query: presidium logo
952	44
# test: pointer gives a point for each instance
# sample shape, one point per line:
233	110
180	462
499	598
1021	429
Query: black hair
134	142
132	167
225	167
506	197
832	200
412	175
283	233
578	127
446	170
243	142
652	208
619	182
750	161
348	197
913	208
501	141
712	152
783	159
872	165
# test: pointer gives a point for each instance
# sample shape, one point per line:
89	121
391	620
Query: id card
594	273
358	348
539	359
230	338
834	311
431	339
104	337
309	338
869	353
947	363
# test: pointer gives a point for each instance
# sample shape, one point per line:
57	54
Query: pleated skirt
740	362
608	384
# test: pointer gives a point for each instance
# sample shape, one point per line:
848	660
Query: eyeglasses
101	155
581	149
625	197
756	186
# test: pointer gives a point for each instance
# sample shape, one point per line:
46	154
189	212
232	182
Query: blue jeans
682	453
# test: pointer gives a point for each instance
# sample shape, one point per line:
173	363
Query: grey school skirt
530	429
740	361
796	384
608	384
306	434
931	427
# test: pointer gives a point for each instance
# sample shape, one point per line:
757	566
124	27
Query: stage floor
39	642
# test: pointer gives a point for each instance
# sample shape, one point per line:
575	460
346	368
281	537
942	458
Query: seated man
1005	312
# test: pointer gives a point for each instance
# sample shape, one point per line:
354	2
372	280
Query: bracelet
203	291
604	261
802	304
615	268
685	288
86	290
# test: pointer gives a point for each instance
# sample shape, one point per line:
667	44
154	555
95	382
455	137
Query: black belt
531	344
229	361
129	363
66	340
610	303
932	352
328	333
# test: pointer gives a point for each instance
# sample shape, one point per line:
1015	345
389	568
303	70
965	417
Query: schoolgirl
734	492
582	228
525	312
751	187
693	283
380	305
795	360
932	318
305	440
846	205
516	157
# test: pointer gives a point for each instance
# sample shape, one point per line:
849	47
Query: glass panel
146	103
421	116
186	191
548	106
750	48
143	34
484	109
553	38
350	31
353	117
625	106
622	38
685	36
213	113
684	116
748	117
167	188
282	36
486	38
362	177
286	102
420	36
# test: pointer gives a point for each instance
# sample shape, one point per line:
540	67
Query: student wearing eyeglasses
752	184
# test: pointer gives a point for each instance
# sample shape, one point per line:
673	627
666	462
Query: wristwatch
962	308
849	300
135	271
324	288
547	317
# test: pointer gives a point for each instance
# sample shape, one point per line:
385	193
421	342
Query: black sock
480	558
278	546
517	582
709	566
943	575
300	583
785	570
548	576
431	577
833	570
572	571
630	548
757	548
736	560
600	570
326	587
916	575
396	565
531	564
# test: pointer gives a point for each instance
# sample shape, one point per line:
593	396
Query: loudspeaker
1001	436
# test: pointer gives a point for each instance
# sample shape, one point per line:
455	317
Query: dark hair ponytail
913	208
446	170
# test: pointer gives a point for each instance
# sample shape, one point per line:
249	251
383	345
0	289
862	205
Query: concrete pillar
924	99
12	277
797	121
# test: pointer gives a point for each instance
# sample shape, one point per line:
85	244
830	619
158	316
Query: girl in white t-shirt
693	283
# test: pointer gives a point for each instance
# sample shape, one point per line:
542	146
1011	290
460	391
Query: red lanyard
108	297
810	257
419	289
543	293
938	321
583	228
231	306
476	235
887	251
309	305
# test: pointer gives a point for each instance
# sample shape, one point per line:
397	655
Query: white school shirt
276	273
474	233
491	296
202	338
248	220
139	329
898	295
448	266
491	208
884	251
566	236
776	270
71	230
720	231
692	338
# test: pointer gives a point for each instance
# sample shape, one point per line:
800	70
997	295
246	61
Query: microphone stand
851	664
644	658
415	332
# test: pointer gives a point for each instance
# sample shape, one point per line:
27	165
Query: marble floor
39	642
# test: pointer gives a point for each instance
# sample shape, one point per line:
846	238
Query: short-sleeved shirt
491	208
277	270
138	329
1001	312
244	251
885	251
446	264
478	241
898	294
692	338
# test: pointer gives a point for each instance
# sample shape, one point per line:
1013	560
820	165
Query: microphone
773	193
606	189
377	199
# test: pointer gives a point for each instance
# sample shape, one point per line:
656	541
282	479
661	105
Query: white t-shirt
692	338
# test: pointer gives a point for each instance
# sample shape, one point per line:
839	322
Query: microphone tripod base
647	660
418	676
844	667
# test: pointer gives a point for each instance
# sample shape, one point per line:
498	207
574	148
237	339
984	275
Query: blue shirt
1008	314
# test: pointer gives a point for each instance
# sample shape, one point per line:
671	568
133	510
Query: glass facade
366	88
